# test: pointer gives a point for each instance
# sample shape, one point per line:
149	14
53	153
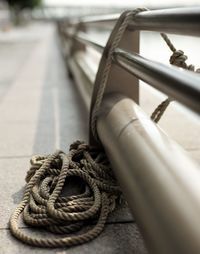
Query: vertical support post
119	81
76	45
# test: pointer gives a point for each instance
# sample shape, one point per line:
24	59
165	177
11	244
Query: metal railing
160	182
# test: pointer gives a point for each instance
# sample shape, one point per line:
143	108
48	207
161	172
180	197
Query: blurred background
70	8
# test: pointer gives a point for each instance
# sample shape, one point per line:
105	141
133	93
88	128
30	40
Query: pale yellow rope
45	206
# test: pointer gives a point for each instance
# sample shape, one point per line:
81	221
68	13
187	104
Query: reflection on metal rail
176	20
83	38
162	190
181	86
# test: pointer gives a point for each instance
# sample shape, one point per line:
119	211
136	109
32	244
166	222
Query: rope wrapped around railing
129	15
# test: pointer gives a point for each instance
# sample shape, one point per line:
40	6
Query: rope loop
125	19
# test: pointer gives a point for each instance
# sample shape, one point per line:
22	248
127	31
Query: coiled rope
44	205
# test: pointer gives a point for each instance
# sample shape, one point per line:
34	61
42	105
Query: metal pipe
180	85
83	38
177	20
159	181
84	78
100	18
174	20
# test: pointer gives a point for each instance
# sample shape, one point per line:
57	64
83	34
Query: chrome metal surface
173	20
159	181
177	20
83	38
100	18
82	75
180	85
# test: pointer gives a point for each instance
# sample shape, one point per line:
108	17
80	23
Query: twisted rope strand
159	111
101	88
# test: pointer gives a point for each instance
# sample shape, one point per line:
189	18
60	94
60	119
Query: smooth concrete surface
117	238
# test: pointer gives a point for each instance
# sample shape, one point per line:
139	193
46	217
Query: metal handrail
182	86
100	18
162	190
174	20
83	38
159	181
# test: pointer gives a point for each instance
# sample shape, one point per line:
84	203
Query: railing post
74	44
119	81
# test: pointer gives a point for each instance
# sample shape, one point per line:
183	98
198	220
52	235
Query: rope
178	59
44	205
101	88
159	111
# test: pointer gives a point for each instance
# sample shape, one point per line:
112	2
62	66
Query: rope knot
178	58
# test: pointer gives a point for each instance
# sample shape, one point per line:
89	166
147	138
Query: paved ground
40	111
